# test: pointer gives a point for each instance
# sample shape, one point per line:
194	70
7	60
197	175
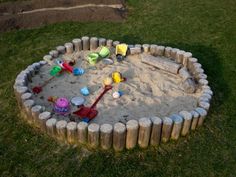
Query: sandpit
165	94
148	91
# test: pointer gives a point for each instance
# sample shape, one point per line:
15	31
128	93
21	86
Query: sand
148	91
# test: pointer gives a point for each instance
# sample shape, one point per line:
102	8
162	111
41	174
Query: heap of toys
62	106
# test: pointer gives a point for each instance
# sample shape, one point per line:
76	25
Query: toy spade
91	112
38	89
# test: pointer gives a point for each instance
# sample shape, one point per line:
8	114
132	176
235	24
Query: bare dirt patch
29	14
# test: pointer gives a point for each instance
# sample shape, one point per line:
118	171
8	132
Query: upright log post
93	135
119	136
71	128
145	126
187	122
132	134
82	132
106	136
166	129
177	126
156	131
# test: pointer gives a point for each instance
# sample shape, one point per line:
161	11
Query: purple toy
62	106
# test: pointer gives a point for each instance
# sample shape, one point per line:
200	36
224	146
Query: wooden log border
148	131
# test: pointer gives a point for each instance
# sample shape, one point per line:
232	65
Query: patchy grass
206	28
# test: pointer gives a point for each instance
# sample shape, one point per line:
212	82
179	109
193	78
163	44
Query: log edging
148	131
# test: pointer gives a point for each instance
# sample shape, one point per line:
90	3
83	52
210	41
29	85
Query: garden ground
205	28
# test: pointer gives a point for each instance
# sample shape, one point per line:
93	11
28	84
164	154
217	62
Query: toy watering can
117	77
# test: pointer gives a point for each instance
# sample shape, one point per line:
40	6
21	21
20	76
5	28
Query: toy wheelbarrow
88	113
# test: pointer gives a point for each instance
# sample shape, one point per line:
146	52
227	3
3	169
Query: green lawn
206	28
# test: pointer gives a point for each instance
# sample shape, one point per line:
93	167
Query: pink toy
62	106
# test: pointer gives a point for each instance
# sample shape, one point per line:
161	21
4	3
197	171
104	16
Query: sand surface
148	91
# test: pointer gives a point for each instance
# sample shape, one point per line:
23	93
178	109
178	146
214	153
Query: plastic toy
38	89
93	58
52	99
62	106
55	70
84	91
77	101
117	94
104	52
67	67
117	77
107	61
107	81
91	112
121	50
78	71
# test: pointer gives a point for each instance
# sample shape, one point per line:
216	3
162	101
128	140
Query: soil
34	13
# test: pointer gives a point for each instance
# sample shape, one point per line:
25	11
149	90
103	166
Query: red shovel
91	112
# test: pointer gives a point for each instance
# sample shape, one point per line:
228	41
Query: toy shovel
91	112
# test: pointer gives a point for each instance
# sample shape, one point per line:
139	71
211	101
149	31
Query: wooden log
197	72
160	50
205	105
119	136
195	116
167	52
132	134
200	76
115	43
71	130
206	95
102	42
85	42
189	86
82	132
61	130
203	113
145	126
186	57
160	63
146	48
42	62
77	44
187	117
153	49
204	99
61	49
191	61
48	59
166	129
207	91
173	53
106	136
26	96
35	111
51	126
184	74
19	91
156	131
54	53
93	135
177	126
27	105
93	43
69	48
135	50
179	56
109	43
203	82
43	117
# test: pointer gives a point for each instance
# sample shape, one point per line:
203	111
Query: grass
206	28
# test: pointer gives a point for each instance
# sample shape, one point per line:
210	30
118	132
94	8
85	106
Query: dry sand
147	91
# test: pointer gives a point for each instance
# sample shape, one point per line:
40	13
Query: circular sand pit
151	93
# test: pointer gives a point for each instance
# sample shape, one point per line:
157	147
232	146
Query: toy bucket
62	106
104	52
92	58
